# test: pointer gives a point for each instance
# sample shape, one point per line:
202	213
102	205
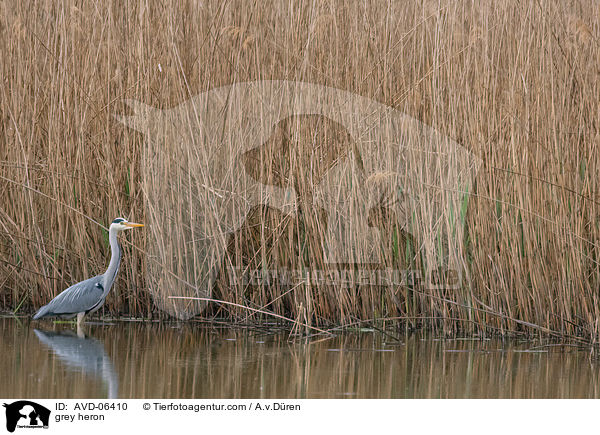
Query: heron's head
121	224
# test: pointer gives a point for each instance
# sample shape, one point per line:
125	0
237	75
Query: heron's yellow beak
132	224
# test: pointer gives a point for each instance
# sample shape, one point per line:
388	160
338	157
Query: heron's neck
115	259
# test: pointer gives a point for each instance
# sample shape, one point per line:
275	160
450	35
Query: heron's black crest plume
118	220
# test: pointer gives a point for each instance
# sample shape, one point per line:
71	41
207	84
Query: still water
161	360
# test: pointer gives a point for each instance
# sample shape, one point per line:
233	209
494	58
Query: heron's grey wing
80	297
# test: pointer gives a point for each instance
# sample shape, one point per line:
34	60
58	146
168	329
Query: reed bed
514	83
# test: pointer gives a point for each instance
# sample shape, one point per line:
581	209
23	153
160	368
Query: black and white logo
26	414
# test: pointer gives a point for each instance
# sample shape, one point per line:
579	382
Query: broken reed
515	83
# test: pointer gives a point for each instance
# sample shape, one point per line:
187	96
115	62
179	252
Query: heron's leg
80	332
80	319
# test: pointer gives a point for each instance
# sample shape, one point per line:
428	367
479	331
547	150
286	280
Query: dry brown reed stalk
517	84
243	307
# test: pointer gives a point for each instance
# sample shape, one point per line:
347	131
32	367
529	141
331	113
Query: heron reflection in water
88	296
82	354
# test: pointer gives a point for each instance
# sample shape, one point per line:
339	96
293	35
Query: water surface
164	360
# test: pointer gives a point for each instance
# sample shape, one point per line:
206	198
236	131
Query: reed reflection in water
195	361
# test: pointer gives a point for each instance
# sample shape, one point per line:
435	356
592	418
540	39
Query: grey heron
88	296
